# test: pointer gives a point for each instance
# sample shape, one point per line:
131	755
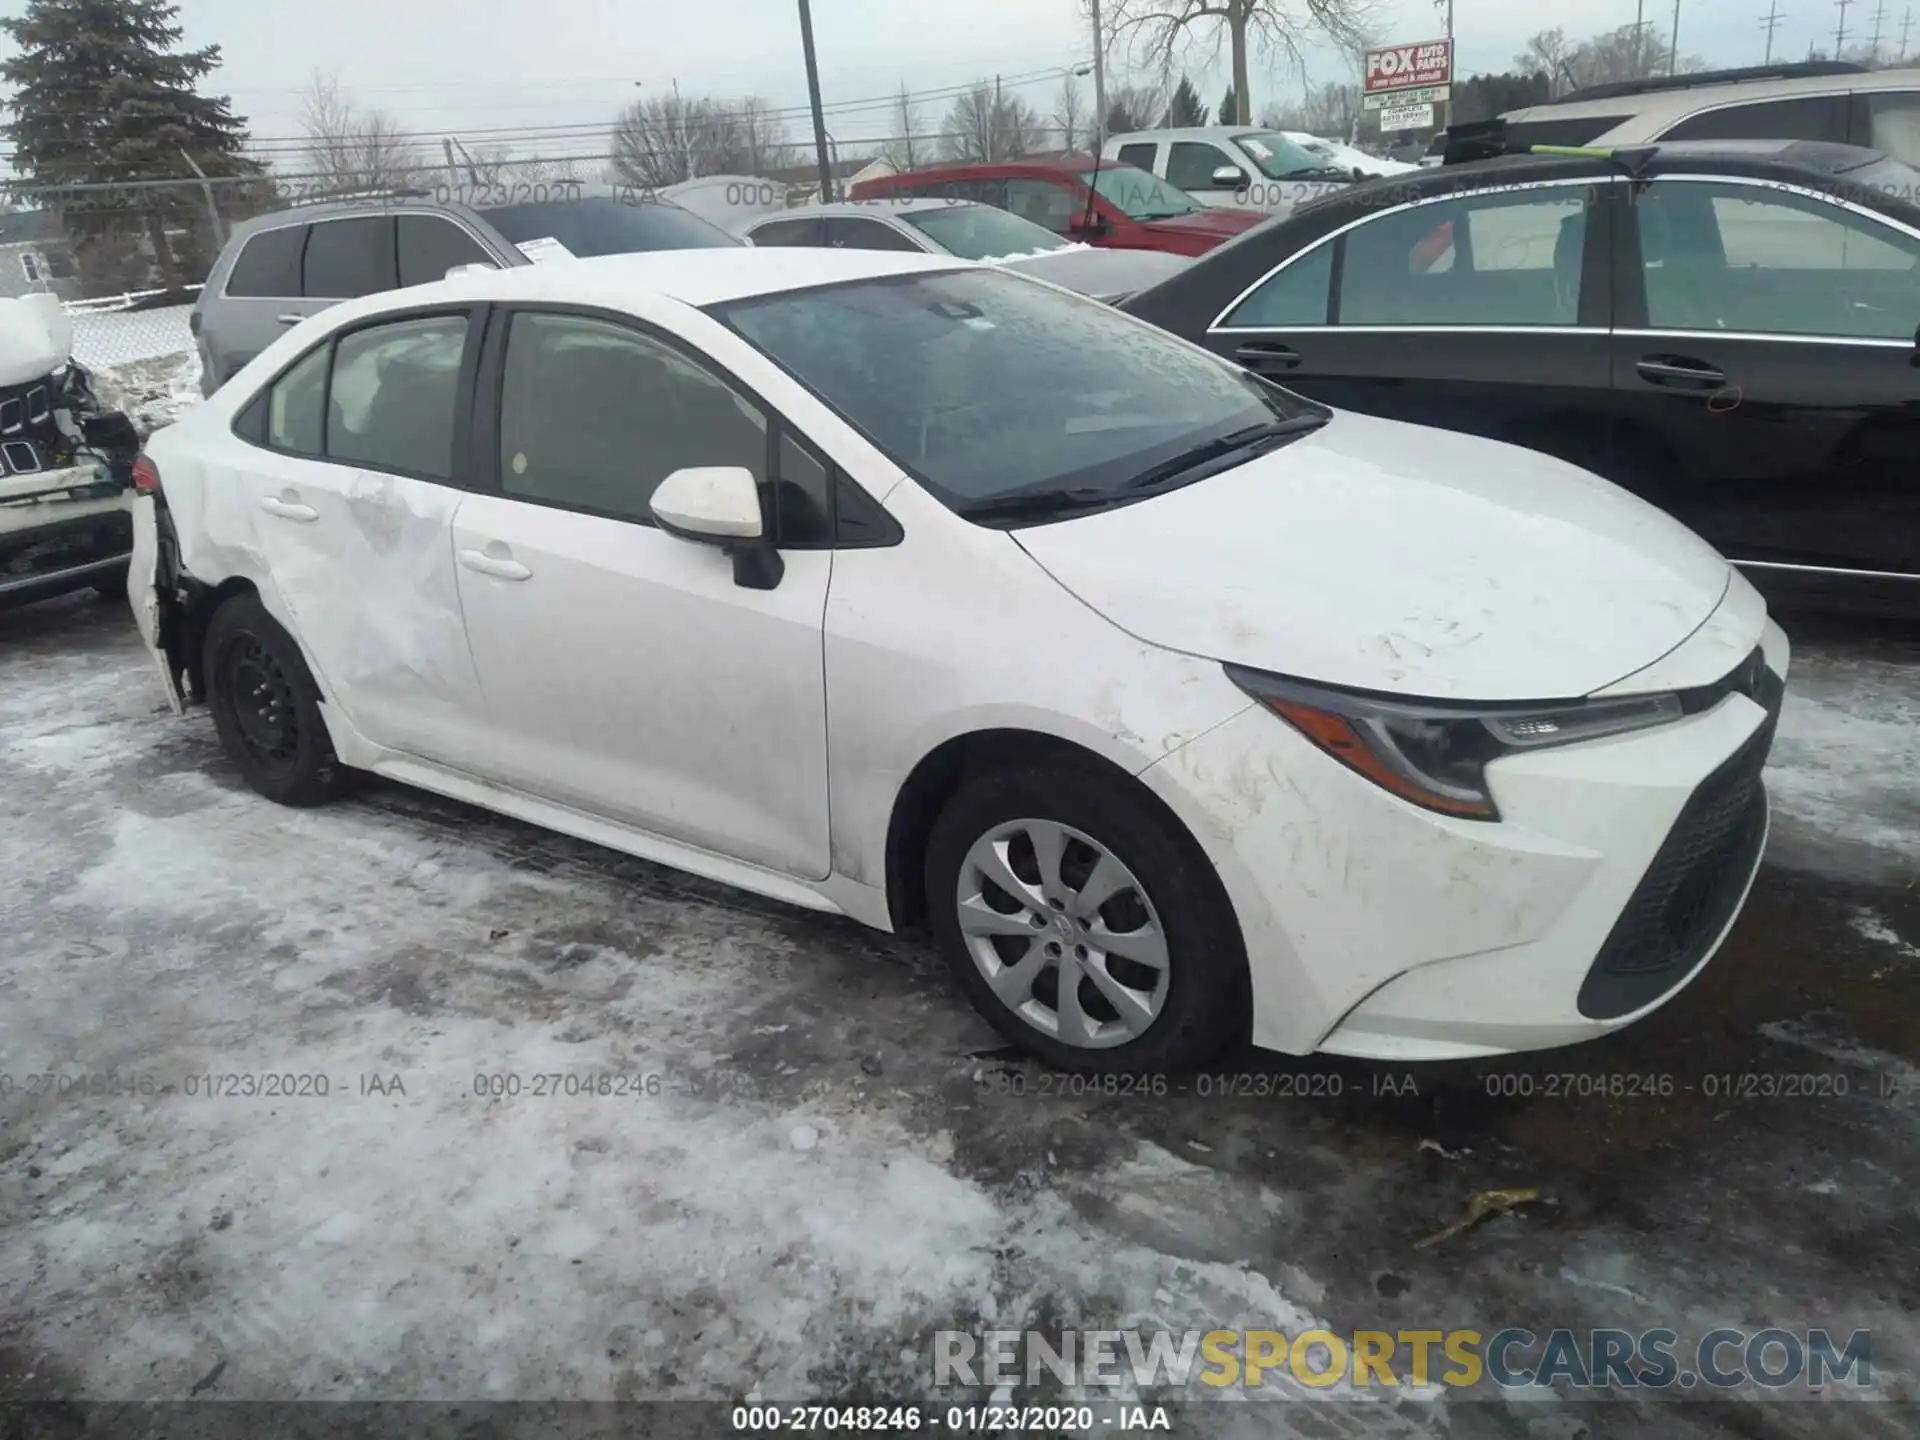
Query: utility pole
1906	28
1840	30
1100	85
1873	45
993	124
1770	24
813	95
1673	47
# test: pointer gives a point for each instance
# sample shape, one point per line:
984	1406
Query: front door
1485	313
626	674
1766	377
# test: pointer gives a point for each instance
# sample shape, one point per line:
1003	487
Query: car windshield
991	388
981	232
1280	158
1137	194
606	225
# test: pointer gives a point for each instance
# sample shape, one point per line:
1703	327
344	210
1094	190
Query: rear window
269	264
603	225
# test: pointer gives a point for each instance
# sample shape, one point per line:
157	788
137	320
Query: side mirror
719	505
1228	177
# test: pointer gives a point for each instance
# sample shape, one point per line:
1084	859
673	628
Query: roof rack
1485	139
1796	70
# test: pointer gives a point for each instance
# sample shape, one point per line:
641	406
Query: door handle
1680	372
1268	355
501	567
289	319
289	509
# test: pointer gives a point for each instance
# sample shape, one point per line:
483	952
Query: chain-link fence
103	338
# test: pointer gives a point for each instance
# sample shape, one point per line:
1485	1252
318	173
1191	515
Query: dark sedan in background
1728	329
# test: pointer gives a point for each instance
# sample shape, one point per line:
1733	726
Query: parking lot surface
296	1142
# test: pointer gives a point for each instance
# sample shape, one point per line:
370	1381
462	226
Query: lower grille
1696	880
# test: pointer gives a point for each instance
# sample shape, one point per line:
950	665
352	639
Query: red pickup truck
1101	202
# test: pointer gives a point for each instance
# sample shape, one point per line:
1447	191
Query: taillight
146	476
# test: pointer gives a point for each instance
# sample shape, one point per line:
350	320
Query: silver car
967	230
277	269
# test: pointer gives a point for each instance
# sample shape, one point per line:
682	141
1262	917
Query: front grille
1696	879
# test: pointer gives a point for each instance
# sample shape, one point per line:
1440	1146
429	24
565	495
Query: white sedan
1182	710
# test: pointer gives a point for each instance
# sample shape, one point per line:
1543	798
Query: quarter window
1296	295
593	416
394	395
296	405
1736	257
1507	259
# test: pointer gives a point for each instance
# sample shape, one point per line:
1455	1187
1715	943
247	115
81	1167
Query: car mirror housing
719	505
1228	177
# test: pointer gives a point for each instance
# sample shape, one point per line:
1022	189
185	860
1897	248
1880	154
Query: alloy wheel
1063	932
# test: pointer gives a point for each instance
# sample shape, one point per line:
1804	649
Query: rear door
1486	313
1766	374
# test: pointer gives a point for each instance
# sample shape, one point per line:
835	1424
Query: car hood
1104	274
1397	558
1216	223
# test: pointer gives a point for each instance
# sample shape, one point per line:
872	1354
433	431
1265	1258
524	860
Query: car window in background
1280	158
394	393
1496	259
346	259
788	233
983	384
269	265
1893	124
1297	295
1806	117
653	411
1138	195
430	246
980	232
1191	163
1736	257
853	232
1139	154
607	225
1049	204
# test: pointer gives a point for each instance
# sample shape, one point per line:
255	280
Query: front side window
986	386
394	395
1743	258
981	232
593	416
346	259
1190	165
1296	295
1136	194
1497	259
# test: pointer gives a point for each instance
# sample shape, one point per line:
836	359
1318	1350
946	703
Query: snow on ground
154	392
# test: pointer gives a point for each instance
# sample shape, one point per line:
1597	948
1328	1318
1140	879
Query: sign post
1405	82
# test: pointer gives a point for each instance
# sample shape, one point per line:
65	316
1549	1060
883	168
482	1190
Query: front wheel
266	707
1083	925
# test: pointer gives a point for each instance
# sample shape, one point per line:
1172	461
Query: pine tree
1229	108
1186	107
100	93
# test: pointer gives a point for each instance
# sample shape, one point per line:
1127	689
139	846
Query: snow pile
153	392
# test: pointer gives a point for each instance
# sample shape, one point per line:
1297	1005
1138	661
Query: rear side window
394	394
1296	296
346	259
1810	117
851	233
268	266
429	247
1141	155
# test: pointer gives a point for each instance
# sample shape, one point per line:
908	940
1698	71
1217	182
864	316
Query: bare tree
1549	51
985	125
1070	114
908	152
496	167
351	148
1134	107
1164	30
665	139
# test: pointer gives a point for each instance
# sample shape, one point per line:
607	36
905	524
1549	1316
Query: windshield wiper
1254	438
1026	504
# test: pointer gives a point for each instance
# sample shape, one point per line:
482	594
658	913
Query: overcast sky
495	65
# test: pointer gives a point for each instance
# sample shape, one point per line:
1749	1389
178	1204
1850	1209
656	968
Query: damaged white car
66	463
1184	711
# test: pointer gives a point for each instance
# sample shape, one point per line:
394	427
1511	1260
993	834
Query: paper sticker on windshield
1258	147
544	250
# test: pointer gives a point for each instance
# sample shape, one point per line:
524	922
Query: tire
114	587
266	707
1196	1002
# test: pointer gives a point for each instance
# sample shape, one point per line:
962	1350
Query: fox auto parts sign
1408	74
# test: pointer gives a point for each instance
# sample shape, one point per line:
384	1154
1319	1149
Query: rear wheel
112	586
266	707
1083	924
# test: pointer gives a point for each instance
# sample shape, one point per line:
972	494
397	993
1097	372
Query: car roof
988	169
1679	102
879	205
693	277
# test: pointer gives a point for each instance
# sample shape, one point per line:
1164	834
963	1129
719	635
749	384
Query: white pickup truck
66	464
1245	166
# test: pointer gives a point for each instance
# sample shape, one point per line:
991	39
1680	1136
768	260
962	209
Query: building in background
35	255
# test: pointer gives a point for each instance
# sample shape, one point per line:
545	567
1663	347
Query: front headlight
1433	754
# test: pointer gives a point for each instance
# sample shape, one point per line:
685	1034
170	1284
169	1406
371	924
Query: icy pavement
809	1155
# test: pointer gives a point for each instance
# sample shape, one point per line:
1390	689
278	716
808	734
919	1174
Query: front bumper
1374	928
